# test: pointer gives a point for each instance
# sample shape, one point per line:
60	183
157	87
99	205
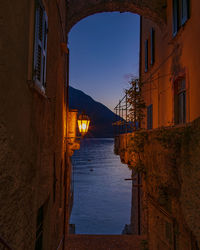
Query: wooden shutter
185	11
146	55
176	108
182	107
39	42
40	48
36	52
39	229
44	45
152	46
175	16
179	101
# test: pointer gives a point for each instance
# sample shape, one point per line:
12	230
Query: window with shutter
180	14
150	117
152	46
146	55
179	101
175	16
40	48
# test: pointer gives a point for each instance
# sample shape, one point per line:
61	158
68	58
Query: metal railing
124	121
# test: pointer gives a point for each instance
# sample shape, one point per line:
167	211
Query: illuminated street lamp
83	123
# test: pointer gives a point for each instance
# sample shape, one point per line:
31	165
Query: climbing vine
135	149
175	140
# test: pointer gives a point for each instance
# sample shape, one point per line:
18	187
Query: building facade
34	158
164	154
165	182
169	61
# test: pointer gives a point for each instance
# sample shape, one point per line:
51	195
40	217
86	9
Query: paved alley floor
104	242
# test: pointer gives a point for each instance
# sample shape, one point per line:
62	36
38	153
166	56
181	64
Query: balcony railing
124	121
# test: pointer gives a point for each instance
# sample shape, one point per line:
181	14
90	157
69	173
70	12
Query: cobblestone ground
105	242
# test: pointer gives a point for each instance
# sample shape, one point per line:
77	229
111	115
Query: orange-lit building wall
175	57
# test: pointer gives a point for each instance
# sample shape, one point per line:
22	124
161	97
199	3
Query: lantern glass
83	124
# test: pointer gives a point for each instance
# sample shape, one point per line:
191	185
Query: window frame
40	46
175	19
152	46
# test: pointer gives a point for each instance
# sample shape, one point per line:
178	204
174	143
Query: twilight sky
104	50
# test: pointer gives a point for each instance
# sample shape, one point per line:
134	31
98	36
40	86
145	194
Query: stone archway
152	9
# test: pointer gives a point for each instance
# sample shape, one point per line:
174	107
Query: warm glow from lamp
83	124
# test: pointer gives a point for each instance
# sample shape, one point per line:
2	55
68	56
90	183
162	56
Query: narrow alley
157	125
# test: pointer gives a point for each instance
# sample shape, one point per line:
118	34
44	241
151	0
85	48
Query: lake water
102	198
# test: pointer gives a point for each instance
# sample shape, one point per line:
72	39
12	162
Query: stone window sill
34	86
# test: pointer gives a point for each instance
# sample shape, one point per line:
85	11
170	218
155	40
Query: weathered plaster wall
175	57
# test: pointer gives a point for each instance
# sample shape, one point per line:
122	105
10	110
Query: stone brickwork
105	242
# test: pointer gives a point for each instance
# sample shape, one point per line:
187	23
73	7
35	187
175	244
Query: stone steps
104	242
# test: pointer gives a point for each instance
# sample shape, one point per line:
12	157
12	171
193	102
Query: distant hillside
101	117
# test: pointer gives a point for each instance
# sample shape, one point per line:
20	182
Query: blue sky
104	50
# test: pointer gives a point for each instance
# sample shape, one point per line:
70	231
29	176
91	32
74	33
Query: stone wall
168	160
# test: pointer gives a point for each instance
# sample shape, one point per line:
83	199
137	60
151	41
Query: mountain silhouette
101	117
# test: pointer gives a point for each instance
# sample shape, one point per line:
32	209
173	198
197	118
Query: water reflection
102	198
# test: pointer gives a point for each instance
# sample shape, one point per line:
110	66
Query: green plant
169	138
137	141
177	140
135	149
136	102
